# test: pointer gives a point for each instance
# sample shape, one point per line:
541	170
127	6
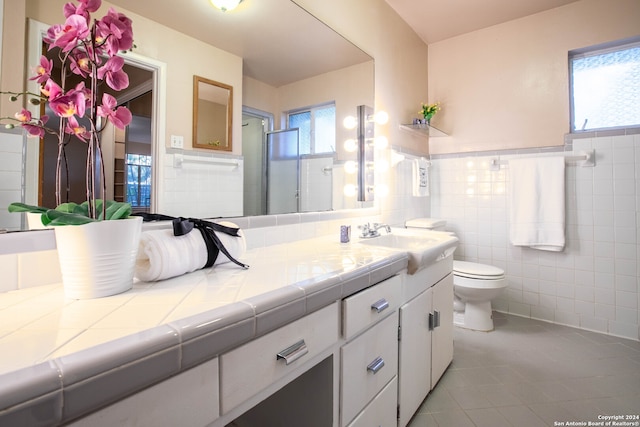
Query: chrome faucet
369	230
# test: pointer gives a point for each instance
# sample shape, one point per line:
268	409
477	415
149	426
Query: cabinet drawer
359	381
382	410
254	366
370	305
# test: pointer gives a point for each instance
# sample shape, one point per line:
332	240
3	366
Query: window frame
600	49
312	110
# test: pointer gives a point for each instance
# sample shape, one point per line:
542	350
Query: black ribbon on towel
183	226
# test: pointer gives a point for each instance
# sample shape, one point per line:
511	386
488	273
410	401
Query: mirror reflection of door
127	154
283	163
132	160
255	125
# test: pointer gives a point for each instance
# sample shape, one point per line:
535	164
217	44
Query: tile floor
532	373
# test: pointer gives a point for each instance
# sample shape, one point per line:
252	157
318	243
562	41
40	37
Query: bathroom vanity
315	333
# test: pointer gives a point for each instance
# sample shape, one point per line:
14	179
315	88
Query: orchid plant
89	50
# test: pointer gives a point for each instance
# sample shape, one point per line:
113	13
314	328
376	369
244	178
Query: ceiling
279	41
435	20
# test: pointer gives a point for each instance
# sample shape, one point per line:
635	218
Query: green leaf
56	217
21	207
118	210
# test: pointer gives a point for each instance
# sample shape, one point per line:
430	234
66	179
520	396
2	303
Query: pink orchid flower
37	128
112	73
79	63
23	116
120	117
43	71
73	128
71	103
68	35
51	89
116	31
83	8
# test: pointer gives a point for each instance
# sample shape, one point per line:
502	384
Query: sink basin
423	247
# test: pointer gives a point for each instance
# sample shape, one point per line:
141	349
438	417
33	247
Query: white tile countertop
88	353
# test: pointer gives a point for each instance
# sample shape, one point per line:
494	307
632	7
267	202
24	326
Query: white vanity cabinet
442	335
277	357
369	359
425	346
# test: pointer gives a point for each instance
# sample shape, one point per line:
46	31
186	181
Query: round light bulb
380	142
382	190
350	167
381	117
350	122
350	190
350	145
382	165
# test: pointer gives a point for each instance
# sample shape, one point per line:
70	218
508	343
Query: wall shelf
423	130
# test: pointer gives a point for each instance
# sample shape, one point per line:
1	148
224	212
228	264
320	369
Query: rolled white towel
162	255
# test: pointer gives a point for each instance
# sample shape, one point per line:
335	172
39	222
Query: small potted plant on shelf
428	111
97	255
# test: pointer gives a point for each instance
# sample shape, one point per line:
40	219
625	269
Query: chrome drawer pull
376	365
293	353
436	315
380	305
432	325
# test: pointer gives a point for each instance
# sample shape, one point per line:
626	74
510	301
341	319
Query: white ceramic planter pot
98	259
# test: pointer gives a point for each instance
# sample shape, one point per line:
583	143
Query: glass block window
605	87
139	180
317	127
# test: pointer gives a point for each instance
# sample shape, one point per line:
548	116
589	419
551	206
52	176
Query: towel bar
179	159
586	158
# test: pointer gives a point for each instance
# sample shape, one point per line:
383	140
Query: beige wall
400	59
506	86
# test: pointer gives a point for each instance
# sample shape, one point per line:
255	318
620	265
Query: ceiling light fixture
225	5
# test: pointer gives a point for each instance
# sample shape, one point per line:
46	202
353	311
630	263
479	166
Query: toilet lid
429	223
474	270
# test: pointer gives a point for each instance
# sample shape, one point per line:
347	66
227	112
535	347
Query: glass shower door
282	171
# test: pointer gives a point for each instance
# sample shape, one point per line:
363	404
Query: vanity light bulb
381	142
350	167
382	165
350	145
350	122
381	117
382	190
350	190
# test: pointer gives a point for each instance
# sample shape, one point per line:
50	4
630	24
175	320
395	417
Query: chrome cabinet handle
293	353
376	365
436	315
431	322
380	305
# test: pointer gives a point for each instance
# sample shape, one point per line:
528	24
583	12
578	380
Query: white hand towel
537	214
162	255
420	178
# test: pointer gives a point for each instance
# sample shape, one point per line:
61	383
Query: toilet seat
474	270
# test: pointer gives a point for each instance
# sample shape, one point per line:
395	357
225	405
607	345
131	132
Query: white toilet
474	285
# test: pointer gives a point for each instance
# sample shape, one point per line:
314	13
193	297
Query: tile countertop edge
174	345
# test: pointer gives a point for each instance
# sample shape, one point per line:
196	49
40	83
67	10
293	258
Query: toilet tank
426	223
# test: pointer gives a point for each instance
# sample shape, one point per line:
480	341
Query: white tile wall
10	177
199	189
595	282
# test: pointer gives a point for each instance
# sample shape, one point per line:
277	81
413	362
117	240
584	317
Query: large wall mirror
212	114
300	60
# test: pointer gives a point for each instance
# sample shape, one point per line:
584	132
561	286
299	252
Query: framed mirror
212	114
